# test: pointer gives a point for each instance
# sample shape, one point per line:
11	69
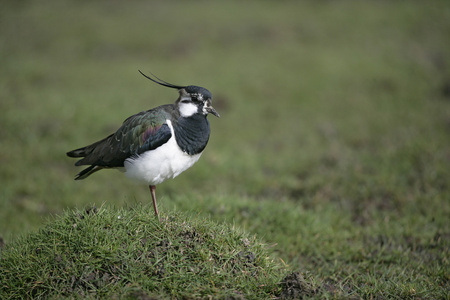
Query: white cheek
187	109
205	107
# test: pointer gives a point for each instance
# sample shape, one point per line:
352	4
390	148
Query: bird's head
192	100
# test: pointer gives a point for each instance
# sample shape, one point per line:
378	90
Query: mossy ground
114	253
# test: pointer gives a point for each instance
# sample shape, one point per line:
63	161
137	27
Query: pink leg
152	191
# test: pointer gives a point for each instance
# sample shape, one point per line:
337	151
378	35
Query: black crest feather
162	82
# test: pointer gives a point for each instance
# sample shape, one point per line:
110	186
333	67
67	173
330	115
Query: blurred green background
334	138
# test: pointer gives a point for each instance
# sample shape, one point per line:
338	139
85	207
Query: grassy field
333	145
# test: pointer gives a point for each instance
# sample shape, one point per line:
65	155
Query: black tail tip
76	153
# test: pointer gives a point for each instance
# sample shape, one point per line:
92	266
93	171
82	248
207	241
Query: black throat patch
192	134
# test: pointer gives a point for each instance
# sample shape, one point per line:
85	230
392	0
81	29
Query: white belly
155	166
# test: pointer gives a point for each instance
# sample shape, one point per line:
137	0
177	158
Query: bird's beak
211	109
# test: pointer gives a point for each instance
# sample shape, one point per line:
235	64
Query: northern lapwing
154	145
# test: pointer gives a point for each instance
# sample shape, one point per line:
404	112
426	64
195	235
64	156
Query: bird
154	145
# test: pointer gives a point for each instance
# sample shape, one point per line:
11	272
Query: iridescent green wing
141	132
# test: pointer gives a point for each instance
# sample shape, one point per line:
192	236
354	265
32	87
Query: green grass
333	144
128	253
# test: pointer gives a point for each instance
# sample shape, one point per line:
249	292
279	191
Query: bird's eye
197	97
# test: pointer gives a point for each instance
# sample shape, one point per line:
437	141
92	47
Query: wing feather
141	132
